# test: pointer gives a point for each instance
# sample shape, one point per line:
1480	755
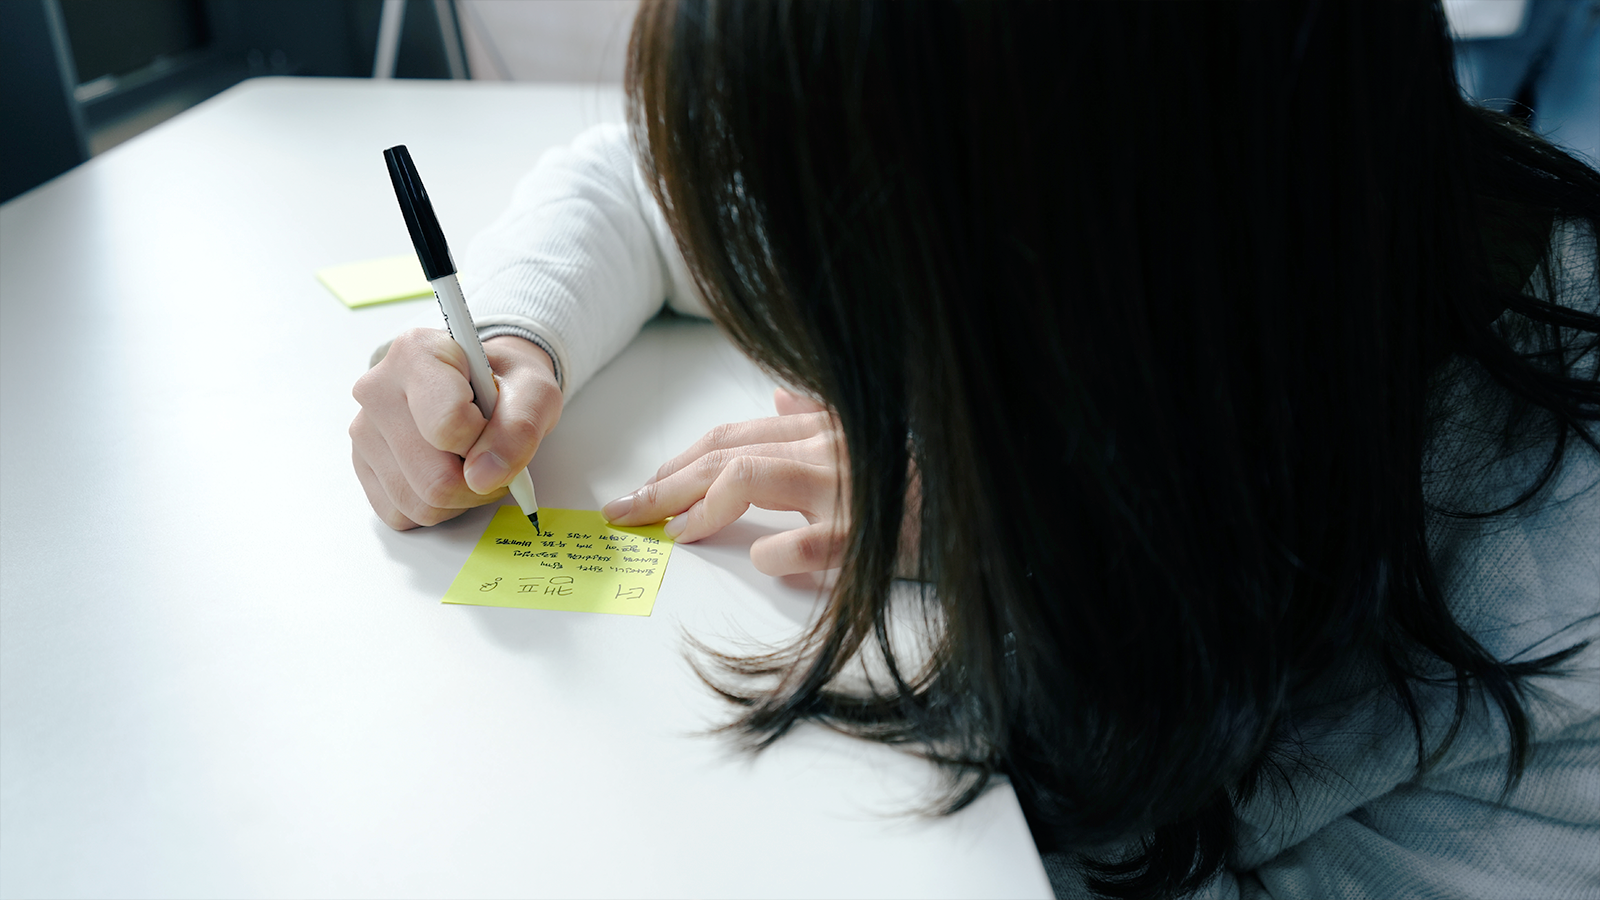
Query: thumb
528	408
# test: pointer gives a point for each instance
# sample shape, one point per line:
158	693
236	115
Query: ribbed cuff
489	331
516	326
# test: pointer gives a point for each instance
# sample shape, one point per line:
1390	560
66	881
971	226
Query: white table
220	675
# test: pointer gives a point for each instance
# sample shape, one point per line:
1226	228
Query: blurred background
79	77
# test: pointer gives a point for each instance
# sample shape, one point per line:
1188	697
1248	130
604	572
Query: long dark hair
1157	305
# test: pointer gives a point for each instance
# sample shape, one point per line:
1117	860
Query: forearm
579	260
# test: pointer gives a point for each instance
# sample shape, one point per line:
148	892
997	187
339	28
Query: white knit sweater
582	258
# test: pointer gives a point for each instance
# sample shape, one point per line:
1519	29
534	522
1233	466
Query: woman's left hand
795	460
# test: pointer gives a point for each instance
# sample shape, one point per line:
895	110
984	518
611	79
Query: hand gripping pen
440	270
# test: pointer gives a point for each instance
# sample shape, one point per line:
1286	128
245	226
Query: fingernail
617	508
676	526
487	473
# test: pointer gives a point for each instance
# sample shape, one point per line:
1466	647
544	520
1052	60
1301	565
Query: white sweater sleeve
580	260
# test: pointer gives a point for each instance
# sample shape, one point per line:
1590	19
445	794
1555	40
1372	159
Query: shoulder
1515	581
1355	817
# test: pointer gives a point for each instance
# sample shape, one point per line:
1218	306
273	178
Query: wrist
520	351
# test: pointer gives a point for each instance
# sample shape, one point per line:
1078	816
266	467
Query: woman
1225	381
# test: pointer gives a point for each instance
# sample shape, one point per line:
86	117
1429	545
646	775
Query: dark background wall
79	76
43	134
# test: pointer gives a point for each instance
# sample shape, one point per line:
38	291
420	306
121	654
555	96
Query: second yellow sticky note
579	563
376	280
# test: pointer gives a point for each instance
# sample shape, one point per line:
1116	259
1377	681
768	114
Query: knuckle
648	495
393	487
546	400
807	548
367	387
675	465
709	465
817	446
418	509
435	490
743	470
453	429
420	348
410	342
727	434
816	547
433	495
429	515
397	520
523	427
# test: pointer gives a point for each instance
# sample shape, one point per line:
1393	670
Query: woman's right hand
421	448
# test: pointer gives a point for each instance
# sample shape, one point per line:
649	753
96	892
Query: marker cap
426	236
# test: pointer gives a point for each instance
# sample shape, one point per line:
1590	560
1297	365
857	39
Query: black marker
440	270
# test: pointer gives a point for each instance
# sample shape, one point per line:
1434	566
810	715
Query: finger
422	483
528	407
440	402
418	378
391	496
377	496
656	500
432	478
422	384
771	430
811	548
788	403
747	481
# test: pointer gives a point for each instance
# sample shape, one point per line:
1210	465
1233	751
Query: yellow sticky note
376	280
579	563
